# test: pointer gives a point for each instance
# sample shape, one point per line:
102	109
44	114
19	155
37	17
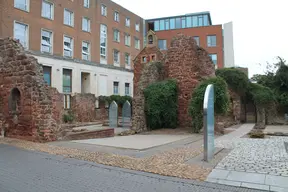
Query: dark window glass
47	74
67	80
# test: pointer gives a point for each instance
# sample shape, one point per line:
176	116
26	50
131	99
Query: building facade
85	46
216	39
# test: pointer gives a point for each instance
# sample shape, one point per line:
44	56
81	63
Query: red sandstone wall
188	64
83	107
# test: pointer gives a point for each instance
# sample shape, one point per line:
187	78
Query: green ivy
236	79
161	104
221	100
120	100
261	95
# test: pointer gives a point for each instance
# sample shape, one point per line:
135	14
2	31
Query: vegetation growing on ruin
196	104
120	100
161	104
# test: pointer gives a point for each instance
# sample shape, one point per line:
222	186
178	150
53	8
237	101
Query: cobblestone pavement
30	171
256	163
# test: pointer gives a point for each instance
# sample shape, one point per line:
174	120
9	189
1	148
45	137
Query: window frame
129	39
27	2
129	22
52	9
127	94
102	47
72	46
88	4
51	41
210	42
116	16
50	73
88	24
214	54
27	33
164	40
103	10
87	53
71	80
138	44
114	93
72	17
118	35
197	42
129	59
137	24
116	63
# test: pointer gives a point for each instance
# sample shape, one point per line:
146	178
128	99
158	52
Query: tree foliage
120	100
196	104
161	104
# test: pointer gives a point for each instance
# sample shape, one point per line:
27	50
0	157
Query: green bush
236	79
161	104
256	134
261	95
68	117
120	100
221	100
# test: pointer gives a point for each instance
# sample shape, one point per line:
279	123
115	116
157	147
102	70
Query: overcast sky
260	26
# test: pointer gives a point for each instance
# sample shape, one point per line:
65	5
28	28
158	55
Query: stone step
93	134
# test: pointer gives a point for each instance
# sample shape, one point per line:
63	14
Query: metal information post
208	109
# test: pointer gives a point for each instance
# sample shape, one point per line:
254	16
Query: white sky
260	26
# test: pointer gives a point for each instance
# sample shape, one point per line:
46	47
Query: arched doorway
14	102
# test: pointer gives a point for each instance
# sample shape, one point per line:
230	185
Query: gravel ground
168	163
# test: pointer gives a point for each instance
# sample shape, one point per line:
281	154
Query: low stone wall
83	107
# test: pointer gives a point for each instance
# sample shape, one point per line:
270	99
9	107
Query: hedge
161	104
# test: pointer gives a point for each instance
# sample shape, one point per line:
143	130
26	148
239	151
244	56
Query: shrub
236	79
68	117
256	134
262	96
161	104
221	100
120	100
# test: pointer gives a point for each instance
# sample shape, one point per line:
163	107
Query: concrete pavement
30	171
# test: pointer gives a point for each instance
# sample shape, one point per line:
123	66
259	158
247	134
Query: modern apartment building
216	39
85	46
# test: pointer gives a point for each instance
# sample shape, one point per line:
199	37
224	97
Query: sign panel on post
208	109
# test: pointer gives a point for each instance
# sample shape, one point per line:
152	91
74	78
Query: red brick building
199	26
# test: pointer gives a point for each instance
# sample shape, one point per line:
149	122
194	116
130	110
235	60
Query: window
137	27
68	46
205	20
127	88
116	56
86	24
127	40
162	24
46	41
47	9
183	22
156	25
214	58
103	41
189	21
68	17
194	21
116	35
172	23
116	16
144	59
67	80
103	10
86	3
127	22
200	20
211	41
21	33
137	43
22	4
85	50
167	24
162	44
197	39
67	101
115	88
127	59
47	74
178	23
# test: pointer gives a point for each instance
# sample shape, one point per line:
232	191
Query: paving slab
227	182
246	177
276	181
219	174
278	189
139	142
255	186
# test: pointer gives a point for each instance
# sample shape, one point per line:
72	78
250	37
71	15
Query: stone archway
14	102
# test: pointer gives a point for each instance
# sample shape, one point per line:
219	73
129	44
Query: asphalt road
30	171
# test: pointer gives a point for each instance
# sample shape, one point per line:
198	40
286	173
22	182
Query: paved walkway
30	171
255	163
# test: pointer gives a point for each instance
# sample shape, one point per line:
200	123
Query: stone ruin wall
188	64
144	74
83	107
27	109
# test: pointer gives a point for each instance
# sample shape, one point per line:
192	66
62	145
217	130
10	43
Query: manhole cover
286	146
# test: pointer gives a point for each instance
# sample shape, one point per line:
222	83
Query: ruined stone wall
83	107
28	104
57	102
188	64
144	74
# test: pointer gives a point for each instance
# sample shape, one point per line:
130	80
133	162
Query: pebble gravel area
33	171
265	156
167	163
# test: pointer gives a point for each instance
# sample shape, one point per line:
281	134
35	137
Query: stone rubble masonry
188	64
36	116
144	74
83	107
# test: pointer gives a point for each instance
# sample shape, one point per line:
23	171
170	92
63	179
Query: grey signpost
113	115
208	109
